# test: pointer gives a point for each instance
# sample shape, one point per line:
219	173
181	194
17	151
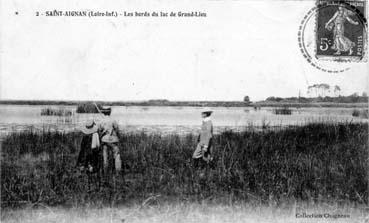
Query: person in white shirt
203	150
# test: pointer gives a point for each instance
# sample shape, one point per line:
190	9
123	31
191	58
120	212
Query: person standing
109	139
88	157
203	152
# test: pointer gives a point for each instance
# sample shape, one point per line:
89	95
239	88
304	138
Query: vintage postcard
184	111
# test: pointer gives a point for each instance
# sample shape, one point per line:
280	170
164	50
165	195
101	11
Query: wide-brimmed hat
89	127
206	110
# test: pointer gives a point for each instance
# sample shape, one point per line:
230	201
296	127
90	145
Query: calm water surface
168	119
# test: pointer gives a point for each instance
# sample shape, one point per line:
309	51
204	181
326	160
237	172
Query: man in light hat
204	145
88	157
109	139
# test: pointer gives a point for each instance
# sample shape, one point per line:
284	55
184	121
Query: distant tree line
322	93
354	98
89	105
321	90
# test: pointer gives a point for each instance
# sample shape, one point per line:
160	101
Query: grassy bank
313	163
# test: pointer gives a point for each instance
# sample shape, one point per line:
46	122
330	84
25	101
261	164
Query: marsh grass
313	163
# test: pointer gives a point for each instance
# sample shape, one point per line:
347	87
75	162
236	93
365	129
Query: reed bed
87	108
314	163
283	111
61	112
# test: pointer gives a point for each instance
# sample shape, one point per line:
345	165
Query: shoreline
166	103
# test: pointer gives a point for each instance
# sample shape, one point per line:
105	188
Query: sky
240	48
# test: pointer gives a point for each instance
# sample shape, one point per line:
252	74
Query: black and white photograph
184	111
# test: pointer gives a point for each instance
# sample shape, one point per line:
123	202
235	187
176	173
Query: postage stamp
340	29
333	34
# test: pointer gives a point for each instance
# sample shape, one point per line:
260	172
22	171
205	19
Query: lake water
168	119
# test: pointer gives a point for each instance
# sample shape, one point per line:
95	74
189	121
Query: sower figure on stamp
88	158
109	139
203	152
337	23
